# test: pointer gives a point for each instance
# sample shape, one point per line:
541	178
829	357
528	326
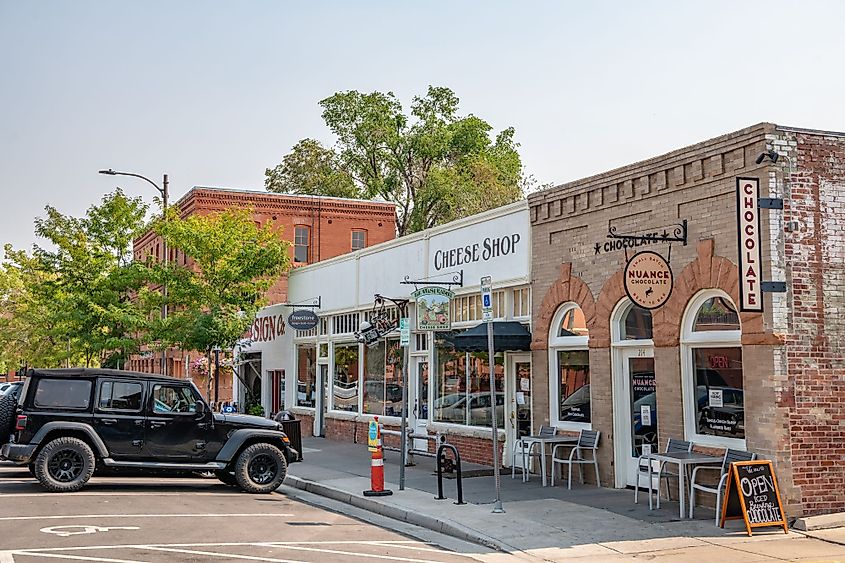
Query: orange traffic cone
377	476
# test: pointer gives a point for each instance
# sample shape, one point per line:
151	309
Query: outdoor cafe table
683	460
531	441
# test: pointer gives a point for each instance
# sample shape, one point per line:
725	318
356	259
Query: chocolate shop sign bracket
670	234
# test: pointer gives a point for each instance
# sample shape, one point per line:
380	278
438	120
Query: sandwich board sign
752	495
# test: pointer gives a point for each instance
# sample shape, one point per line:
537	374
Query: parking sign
487	299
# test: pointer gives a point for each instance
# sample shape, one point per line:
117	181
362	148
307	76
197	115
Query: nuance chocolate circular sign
648	279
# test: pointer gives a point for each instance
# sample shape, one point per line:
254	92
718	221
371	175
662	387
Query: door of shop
419	384
518	405
321	400
637	407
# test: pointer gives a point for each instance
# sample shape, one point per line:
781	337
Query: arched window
569	368
711	359
630	323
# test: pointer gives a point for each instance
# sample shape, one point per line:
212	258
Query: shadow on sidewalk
536	516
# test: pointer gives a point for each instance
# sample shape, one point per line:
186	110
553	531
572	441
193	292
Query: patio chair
588	441
521	445
672	445
730	457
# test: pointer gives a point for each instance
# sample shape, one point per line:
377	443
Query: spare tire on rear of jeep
7	417
260	468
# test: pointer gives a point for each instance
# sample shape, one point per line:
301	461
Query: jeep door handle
108	420
201	445
137	443
157	423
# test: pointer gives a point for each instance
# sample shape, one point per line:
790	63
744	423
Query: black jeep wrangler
69	422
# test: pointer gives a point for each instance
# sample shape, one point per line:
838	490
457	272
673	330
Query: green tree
433	164
79	295
232	264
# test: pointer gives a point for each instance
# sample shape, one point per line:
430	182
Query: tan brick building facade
328	227
783	368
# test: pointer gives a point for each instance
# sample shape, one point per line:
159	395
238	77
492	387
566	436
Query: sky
214	92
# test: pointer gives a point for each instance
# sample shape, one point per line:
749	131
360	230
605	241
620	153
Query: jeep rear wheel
64	465
261	468
7	417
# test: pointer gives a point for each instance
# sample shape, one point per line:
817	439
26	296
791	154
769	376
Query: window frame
564	343
307	244
151	401
691	340
87	405
103	382
361	232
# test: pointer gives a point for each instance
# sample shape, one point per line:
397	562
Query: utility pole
164	184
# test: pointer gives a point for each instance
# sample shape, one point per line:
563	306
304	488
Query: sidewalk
545	523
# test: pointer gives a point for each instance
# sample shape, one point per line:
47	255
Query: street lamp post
163	192
216	373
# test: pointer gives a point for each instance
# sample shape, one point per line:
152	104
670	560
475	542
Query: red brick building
723	361
318	228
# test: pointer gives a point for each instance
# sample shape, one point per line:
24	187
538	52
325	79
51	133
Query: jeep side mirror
199	408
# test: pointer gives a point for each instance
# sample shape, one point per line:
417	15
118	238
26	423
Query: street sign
404	332
487	299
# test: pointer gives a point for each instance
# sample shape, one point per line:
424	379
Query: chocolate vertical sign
748	241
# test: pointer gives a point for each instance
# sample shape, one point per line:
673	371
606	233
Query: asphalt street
122	519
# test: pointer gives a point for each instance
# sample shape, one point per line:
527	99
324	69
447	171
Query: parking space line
351	553
209	515
75	557
226	555
44	494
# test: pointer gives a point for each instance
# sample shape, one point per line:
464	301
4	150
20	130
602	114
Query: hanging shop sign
434	308
752	495
303	319
648	279
748	240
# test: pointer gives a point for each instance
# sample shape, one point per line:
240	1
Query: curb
822	522
408	516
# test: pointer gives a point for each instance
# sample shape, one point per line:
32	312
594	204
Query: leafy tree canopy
435	165
232	264
75	298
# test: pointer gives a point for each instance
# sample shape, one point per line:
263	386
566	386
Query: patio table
683	460
531	441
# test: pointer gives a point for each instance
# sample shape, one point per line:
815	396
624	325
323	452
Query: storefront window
345	388
569	365
451	384
574	379
462	390
383	379
714	402
306	375
720	406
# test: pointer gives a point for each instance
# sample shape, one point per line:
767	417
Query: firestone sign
748	233
268	328
648	279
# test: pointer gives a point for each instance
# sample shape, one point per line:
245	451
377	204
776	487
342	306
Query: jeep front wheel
64	465
260	468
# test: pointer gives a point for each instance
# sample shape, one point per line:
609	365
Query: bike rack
454	451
